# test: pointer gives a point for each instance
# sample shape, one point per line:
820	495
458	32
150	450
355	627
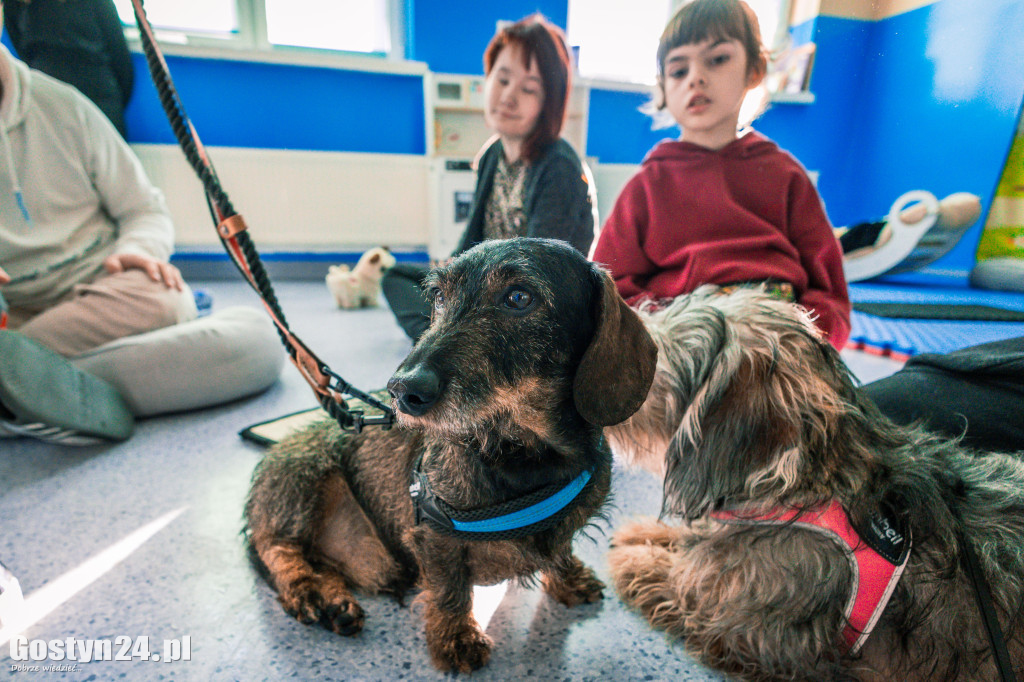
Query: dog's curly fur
530	352
750	407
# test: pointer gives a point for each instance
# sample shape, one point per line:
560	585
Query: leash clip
354	420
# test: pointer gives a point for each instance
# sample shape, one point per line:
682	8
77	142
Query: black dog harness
516	518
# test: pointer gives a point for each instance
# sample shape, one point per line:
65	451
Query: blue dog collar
522	516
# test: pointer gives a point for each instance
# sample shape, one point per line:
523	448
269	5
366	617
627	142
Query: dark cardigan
557	202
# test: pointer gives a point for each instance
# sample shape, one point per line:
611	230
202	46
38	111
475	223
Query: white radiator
300	199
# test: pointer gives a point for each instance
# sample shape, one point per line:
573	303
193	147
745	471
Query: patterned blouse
504	216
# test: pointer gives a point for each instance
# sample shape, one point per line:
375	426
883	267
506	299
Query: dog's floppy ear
618	366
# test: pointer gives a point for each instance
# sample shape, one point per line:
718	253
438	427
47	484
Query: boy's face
704	85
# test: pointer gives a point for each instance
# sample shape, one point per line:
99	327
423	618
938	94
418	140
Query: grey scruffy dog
529	353
753	415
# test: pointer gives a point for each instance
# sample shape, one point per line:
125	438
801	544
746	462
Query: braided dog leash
329	388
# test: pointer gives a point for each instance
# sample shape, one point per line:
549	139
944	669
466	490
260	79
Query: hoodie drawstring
15	185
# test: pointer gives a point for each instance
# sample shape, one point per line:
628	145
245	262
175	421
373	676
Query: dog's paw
641	574
462	649
327	602
580	586
645	532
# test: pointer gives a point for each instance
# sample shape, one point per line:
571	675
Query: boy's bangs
715	27
712	23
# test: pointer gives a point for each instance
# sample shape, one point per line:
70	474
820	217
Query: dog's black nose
415	390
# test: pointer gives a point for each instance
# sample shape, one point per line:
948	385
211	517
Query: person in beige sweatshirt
85	238
100	327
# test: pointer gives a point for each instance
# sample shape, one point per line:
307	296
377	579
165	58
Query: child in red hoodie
716	206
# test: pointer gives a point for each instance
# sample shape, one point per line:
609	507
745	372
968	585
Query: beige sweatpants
113	307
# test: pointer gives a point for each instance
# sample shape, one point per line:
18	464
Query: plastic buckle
423	501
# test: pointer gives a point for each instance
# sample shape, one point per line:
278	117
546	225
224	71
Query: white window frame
251	44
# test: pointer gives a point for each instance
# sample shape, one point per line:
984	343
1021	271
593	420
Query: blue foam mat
913	337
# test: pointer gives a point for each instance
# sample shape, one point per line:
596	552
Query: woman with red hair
530	182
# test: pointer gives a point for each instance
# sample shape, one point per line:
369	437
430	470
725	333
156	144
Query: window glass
769	17
350	25
618	39
209	17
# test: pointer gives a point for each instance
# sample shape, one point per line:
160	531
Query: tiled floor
141	539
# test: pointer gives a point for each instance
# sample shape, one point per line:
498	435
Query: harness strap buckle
425	503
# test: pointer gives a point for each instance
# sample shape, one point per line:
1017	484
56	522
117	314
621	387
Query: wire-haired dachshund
806	536
496	463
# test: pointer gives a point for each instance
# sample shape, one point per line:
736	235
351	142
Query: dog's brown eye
518	299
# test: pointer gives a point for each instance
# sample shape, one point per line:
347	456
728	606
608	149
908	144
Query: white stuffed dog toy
360	286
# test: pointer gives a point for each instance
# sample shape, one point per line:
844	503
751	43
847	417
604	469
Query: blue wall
451	35
617	132
945	89
927	99
246	104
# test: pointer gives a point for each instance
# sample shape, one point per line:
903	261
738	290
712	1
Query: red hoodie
745	212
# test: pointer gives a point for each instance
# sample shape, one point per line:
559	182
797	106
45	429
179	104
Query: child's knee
181	305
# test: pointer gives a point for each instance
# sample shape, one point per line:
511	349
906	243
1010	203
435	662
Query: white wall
319	201
300	199
609	179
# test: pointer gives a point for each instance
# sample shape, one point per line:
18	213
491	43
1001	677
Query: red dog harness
877	556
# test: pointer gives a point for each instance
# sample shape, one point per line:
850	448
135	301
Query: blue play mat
901	338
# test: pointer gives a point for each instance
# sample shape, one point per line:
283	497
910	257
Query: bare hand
158	271
4	277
